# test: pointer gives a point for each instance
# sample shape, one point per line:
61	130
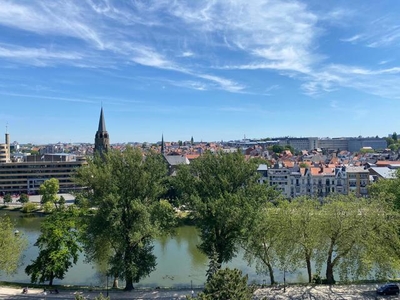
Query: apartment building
358	180
318	181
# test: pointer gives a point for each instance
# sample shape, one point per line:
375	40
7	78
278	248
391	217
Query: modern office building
26	177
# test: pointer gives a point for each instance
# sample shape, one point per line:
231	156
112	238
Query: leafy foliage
126	188
7	198
227	284
356	237
29	207
49	190
11	244
58	247
388	189
23	198
223	192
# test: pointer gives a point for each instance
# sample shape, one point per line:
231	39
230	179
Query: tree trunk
271	274
329	271
309	271
115	283
329	264
51	280
128	283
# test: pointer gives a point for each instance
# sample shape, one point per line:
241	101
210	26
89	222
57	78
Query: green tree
227	284
58	247
23	198
12	244
303	165
389	141
394	137
223	192
277	149
290	148
261	240
303	230
126	188
61	201
7	198
48	190
359	236
388	189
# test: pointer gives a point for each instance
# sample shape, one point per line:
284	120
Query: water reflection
179	261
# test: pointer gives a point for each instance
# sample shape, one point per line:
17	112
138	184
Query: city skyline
215	70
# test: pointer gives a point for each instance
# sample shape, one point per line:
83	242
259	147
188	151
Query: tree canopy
58	247
223	192
48	190
23	198
354	237
125	187
12	244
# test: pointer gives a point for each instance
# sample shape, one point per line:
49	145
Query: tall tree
58	247
48	190
126	187
304	229
12	244
223	192
354	230
261	240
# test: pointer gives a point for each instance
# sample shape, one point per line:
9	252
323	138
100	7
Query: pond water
179	262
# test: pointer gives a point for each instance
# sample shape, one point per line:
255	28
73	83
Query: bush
7	198
227	284
23	198
29	207
48	207
316	279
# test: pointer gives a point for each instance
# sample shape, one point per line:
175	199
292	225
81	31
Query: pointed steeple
101	140
102	123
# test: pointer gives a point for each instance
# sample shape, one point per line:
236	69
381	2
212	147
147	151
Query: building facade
315	181
26	177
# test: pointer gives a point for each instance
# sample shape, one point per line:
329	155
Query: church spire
102	123
101	140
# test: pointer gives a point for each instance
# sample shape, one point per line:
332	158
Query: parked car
388	289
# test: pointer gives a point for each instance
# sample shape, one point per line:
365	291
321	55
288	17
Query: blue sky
211	69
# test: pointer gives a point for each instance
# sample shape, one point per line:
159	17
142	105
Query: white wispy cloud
43	97
203	41
50	18
380	82
272	34
37	56
353	38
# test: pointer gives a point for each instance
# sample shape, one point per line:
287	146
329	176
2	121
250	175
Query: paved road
319	292
150	294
